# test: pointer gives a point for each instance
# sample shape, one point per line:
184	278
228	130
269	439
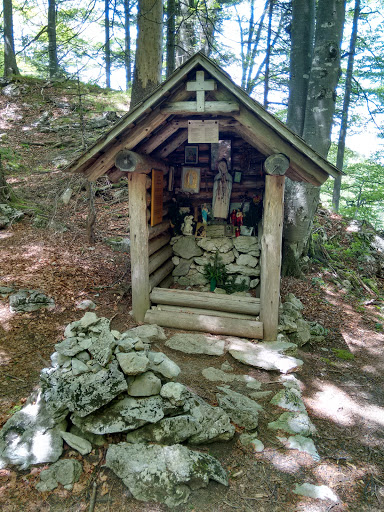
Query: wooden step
205	323
206	300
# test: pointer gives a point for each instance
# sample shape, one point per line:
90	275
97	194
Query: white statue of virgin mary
222	188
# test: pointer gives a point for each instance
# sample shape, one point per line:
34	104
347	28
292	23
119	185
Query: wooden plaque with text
157	197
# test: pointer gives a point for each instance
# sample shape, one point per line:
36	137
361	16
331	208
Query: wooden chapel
173	129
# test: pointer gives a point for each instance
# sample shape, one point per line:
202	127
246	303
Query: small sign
203	131
157	197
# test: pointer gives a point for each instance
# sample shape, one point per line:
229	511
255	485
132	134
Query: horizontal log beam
209	312
205	323
206	300
160	274
158	229
210	107
159	257
157	243
130	161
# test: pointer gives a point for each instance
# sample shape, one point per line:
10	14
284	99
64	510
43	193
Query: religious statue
204	213
222	188
187	228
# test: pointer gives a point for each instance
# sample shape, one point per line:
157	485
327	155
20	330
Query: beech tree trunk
148	59
346	102
302	34
302	199
10	66
52	45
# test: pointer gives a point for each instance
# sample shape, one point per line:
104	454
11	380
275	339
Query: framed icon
190	180
191	154
237	177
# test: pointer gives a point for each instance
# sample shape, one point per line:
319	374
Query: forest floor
344	397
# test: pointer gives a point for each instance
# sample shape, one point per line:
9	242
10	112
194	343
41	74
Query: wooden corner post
139	244
275	168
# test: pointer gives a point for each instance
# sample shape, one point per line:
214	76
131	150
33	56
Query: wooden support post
271	244
139	245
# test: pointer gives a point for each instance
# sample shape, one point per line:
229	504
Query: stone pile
240	256
293	325
9	215
104	382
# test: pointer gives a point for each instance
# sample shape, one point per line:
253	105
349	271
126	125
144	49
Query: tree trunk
52	46
346	102
302	33
171	37
10	66
301	198
127	41
148	59
107	47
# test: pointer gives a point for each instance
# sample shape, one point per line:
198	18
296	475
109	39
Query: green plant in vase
215	272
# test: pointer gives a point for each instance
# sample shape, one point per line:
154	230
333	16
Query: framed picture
190	180
237	177
191	155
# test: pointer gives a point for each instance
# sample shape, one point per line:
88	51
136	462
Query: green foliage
216	270
343	354
362	189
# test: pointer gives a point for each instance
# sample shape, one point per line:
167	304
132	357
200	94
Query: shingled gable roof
251	121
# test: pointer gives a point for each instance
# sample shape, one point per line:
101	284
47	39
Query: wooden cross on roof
200	85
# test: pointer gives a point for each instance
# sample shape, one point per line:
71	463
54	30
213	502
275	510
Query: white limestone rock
267	355
165	474
196	344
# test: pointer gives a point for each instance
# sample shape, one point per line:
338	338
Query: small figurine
233	218
187	228
239	218
204	213
237	232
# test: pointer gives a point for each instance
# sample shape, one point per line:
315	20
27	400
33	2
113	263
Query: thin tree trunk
250	82
10	65
91	218
107	47
52	44
148	59
127	56
346	102
268	54
171	37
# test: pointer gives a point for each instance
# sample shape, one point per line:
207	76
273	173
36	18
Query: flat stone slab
31	436
29	300
65	472
293	423
216	375
82	394
266	355
165	474
301	443
196	344
289	398
321	492
124	415
242	410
